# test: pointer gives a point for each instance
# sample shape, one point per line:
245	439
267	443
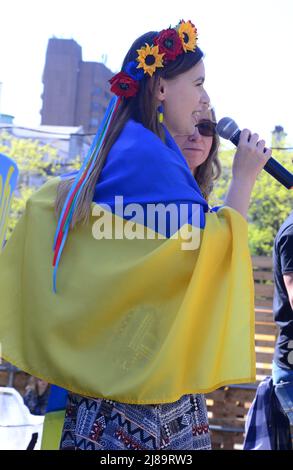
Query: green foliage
270	203
36	162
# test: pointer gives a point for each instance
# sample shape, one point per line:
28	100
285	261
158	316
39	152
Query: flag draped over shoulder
137	320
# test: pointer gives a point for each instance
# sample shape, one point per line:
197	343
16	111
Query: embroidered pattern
99	424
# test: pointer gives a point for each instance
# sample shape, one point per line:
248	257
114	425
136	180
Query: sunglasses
207	128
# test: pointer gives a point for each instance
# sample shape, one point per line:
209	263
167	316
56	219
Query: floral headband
166	47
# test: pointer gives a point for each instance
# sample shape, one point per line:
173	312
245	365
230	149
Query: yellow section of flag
137	321
52	430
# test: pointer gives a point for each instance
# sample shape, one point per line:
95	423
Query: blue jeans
283	382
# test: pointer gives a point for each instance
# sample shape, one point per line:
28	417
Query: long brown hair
210	170
142	108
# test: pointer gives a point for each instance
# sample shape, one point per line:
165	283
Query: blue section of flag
5	164
145	170
57	399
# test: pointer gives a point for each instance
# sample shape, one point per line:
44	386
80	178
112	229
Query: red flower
169	43
124	85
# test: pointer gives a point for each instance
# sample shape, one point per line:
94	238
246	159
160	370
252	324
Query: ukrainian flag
54	419
136	318
8	180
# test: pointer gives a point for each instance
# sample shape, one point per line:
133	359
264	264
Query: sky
247	45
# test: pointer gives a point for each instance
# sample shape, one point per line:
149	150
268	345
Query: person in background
283	315
36	396
200	150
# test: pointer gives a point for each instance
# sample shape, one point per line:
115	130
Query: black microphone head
226	128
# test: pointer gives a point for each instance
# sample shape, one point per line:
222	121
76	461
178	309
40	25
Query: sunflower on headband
149	59
188	35
167	46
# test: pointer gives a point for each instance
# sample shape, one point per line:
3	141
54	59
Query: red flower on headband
169	43
124	85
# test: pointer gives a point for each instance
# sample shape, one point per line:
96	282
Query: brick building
76	93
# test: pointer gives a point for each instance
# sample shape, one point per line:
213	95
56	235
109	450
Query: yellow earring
161	113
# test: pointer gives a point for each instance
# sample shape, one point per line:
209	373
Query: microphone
228	129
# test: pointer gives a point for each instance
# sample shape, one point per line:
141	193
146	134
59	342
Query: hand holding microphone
252	156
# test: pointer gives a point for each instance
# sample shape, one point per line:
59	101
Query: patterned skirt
100	424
